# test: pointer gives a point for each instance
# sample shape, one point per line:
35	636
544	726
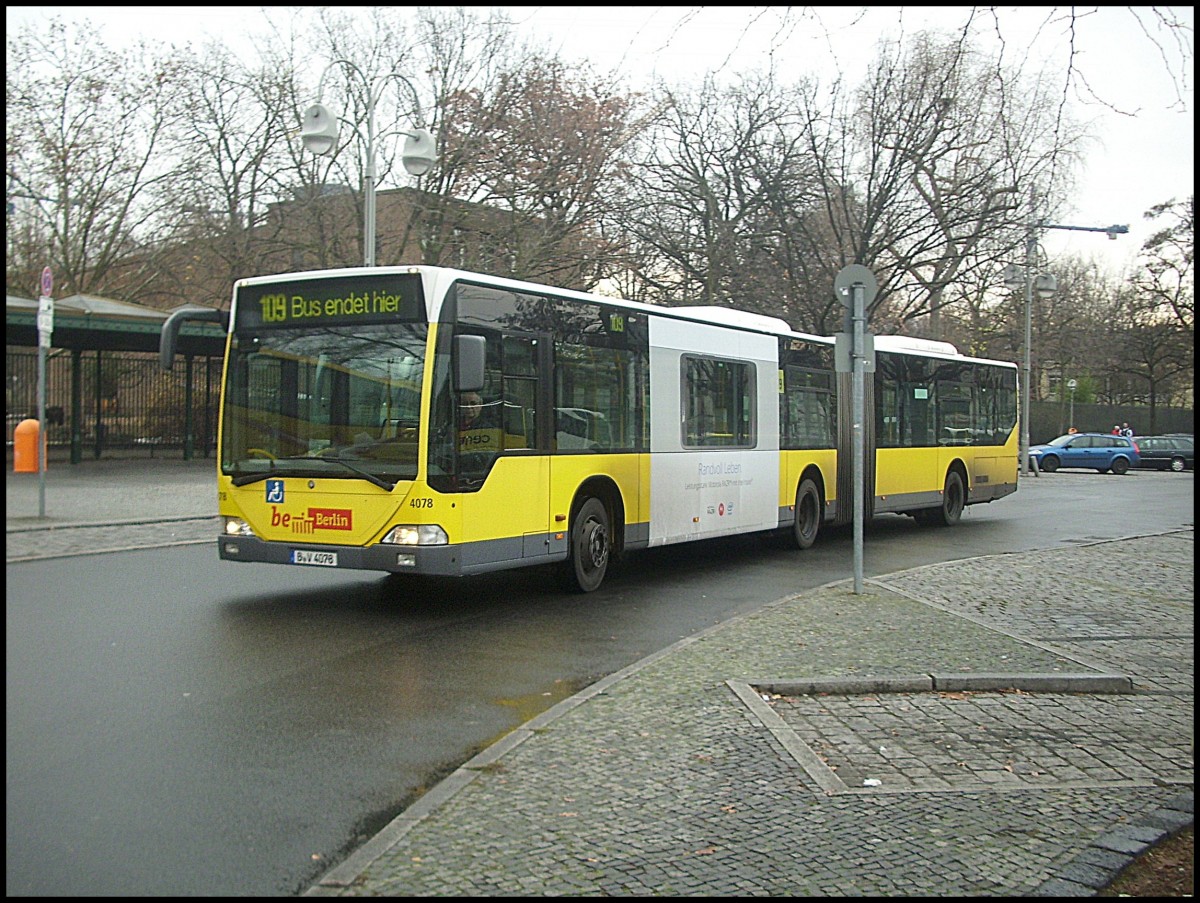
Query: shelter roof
86	322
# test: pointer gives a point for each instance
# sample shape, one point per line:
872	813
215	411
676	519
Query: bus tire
590	546
807	521
954	497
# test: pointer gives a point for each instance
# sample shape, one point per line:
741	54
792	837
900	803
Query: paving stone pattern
661	781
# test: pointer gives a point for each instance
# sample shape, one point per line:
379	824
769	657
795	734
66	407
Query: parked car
1094	451
1166	452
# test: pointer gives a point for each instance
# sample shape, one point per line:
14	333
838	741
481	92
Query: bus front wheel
590	546
807	522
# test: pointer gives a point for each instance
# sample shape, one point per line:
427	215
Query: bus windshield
339	401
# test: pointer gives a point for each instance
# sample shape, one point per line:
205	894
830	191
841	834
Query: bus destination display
350	301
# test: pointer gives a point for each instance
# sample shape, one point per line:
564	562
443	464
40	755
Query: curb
16	527
946	683
1103	861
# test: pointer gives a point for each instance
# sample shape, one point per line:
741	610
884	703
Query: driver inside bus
478	430
470	411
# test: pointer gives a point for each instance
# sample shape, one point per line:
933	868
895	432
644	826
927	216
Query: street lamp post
1046	286
319	133
1071	386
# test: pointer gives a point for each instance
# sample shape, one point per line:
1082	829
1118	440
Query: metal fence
1054	418
107	404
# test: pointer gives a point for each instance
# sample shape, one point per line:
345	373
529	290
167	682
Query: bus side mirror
169	337
469	356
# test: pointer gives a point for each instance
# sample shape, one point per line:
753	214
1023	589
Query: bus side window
519	381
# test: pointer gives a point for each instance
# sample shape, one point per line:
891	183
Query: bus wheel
590	546
807	522
953	498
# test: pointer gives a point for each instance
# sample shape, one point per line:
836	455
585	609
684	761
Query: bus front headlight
235	526
417	535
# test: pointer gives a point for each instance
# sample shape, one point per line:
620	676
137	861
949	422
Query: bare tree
946	143
85	127
231	137
720	196
551	164
1168	274
1151	355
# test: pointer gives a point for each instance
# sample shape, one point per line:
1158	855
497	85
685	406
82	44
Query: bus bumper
435	560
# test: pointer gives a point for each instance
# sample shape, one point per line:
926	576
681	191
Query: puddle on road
533	704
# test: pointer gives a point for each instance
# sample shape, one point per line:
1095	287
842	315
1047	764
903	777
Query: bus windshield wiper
247	478
243	479
338	459
365	474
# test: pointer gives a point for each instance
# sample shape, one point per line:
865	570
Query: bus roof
725	316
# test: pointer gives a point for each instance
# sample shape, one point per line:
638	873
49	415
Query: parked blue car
1095	451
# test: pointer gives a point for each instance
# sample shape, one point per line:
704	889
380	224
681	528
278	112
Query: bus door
516	492
845	447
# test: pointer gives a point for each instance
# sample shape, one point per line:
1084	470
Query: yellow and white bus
604	425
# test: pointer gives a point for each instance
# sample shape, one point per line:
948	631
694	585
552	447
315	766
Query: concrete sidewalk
112	490
108	505
1009	725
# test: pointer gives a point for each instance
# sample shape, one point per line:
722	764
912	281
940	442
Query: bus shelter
105	390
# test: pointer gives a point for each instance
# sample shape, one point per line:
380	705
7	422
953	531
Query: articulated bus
601	426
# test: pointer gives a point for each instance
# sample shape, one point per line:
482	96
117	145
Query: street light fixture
1046	286
319	133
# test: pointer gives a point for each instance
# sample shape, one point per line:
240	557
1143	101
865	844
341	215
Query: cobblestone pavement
1052	740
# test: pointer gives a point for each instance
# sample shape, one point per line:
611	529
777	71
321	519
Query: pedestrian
1126	430
1116	431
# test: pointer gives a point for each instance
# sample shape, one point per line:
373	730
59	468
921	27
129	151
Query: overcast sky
1145	153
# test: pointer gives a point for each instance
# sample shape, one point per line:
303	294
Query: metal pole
43	341
1030	260
1030	254
322	144
857	415
369	184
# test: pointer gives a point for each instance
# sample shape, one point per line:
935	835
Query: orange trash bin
26	435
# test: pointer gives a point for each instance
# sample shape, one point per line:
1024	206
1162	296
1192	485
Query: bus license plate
325	559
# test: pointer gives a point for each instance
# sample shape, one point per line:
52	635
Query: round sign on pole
47	282
848	277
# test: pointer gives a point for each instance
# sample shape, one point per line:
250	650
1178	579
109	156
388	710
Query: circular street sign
47	281
848	277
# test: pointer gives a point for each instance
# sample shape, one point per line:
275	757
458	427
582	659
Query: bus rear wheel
590	547
807	522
